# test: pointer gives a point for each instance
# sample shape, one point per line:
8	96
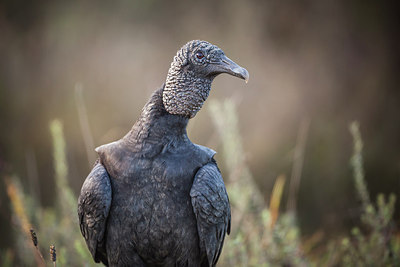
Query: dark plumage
154	198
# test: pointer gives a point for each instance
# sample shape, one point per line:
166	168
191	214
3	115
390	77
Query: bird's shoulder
188	150
206	151
119	158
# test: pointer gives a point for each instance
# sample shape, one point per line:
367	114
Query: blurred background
314	67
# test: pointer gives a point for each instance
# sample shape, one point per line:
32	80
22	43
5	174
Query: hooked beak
230	67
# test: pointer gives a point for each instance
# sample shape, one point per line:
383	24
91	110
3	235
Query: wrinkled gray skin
154	198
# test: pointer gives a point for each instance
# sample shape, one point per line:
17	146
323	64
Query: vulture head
190	76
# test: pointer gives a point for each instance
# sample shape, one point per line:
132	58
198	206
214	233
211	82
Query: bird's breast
152	195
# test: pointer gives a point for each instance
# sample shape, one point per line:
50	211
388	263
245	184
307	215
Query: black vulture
153	197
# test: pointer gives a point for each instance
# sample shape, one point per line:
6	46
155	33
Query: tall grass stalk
357	166
298	160
66	198
84	123
276	197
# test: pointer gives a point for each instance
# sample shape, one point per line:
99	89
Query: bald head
190	76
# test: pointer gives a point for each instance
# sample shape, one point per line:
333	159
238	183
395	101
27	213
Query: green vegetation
380	245
56	226
261	235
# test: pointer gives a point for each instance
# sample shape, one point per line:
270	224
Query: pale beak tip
242	73
246	76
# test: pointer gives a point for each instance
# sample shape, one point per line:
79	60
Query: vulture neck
156	125
185	92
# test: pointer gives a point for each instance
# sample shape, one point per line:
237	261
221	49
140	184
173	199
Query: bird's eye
199	55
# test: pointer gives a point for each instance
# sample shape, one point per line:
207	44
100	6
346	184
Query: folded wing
93	207
211	206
